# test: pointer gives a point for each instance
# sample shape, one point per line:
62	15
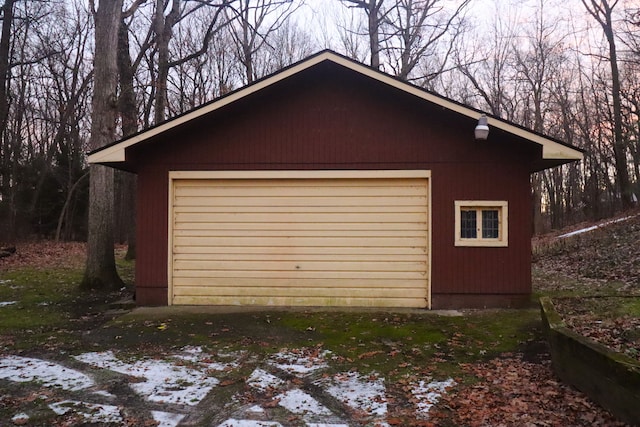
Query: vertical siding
327	119
152	238
481	269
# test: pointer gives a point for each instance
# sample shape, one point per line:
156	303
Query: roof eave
116	152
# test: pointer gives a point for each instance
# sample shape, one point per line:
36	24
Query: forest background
568	69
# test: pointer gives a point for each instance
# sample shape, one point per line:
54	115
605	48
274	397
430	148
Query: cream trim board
170	224
480	205
300	174
429	236
550	148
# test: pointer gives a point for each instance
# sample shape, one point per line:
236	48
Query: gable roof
554	151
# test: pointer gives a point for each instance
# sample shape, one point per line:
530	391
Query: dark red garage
331	183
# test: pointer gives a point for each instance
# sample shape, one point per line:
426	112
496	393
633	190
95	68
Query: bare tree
375	15
128	109
602	12
253	22
289	44
5	157
417	29
487	63
100	271
537	65
163	30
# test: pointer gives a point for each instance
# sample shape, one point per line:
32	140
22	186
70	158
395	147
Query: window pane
490	226
468	224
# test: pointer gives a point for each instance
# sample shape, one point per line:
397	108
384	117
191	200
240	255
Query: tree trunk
5	145
163	28
129	117
536	192
602	11
374	32
619	146
100	272
65	207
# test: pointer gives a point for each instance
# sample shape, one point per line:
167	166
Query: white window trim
503	213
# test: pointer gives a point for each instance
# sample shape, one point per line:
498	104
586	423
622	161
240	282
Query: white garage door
300	238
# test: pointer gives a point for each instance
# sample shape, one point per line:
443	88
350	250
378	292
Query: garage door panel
361	266
287	210
301	201
298	301
339	277
311	190
295	257
269	184
309	292
300	283
257	217
300	241
290	251
295	233
415	226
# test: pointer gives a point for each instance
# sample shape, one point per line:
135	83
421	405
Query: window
481	223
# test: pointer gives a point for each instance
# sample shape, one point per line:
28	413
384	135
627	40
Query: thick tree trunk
100	272
129	118
163	28
5	144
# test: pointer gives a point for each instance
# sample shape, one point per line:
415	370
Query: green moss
41	299
47	310
398	344
631	307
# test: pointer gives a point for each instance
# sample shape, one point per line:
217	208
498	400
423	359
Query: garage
311	238
329	183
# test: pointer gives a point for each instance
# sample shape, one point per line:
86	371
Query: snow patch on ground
162	381
594	227
49	374
300	362
20	419
328	425
198	355
363	393
91	412
167	419
6	303
168	380
299	402
262	380
232	422
428	394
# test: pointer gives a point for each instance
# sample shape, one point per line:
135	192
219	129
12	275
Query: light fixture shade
482	129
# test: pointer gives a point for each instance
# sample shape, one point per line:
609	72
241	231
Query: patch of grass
630	307
393	344
45	310
556	284
399	344
41	299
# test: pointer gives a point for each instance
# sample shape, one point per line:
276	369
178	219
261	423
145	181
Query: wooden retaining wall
609	378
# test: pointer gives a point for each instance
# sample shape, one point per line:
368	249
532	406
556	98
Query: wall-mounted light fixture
482	129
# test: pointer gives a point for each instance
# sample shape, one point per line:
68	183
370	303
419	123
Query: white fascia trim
301	174
550	149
